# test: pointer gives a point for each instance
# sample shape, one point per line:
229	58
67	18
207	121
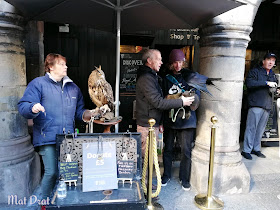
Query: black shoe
246	155
164	181
153	199
258	153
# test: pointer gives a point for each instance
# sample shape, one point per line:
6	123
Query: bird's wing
94	97
109	94
198	81
209	82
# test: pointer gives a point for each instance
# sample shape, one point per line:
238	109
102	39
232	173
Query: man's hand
38	108
271	84
187	101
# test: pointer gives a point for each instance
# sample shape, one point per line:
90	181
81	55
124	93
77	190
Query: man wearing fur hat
180	123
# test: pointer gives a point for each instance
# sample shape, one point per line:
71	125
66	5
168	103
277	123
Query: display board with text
271	132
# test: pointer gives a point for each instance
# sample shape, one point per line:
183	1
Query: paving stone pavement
264	187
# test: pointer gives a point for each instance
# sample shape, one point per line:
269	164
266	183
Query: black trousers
185	138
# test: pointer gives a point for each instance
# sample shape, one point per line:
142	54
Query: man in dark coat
149	97
259	82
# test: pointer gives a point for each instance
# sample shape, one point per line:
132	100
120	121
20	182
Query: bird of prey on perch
100	91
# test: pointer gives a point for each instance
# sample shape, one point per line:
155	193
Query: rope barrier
145	166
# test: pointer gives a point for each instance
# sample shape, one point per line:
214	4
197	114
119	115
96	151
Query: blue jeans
255	125
48	153
185	137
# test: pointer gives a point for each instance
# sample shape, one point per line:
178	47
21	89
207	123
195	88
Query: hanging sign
99	166
69	170
125	169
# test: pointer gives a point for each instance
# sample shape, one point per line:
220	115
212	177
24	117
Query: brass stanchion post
151	205
203	201
150	168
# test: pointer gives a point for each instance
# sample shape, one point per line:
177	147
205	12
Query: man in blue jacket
259	81
54	102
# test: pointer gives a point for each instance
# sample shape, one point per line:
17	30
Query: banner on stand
99	166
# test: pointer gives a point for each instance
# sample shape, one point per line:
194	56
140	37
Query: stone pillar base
19	180
229	178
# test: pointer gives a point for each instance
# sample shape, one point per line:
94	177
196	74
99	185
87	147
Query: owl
100	91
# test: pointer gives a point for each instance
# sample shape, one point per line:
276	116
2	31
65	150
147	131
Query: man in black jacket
259	81
149	97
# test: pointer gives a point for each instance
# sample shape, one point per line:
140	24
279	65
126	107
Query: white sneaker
185	186
164	182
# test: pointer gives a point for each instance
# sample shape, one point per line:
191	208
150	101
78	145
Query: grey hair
148	54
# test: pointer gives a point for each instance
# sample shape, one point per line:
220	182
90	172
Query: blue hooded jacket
62	106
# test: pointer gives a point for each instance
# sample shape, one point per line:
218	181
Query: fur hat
176	55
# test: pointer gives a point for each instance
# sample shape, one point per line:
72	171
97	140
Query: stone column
34	50
223	45
19	165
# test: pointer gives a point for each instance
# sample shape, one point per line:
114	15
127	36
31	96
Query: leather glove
88	114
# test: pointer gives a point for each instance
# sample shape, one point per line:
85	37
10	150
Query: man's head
152	58
269	61
177	60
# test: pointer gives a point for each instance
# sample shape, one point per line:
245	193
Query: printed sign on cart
125	169
69	170
99	166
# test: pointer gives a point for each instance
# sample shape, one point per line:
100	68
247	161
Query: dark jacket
168	88
258	90
62	104
149	98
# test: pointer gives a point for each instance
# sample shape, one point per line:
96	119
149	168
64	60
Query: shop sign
99	166
177	37
184	34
